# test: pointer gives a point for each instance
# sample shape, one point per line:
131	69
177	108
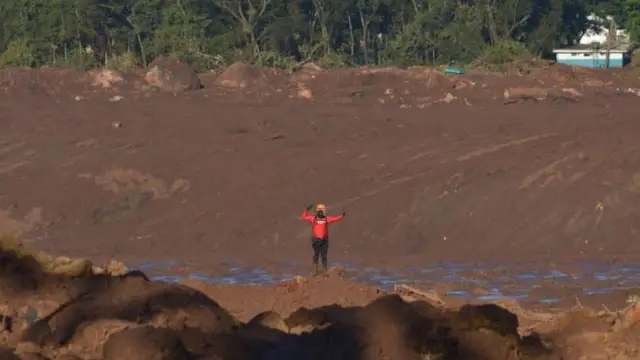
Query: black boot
324	269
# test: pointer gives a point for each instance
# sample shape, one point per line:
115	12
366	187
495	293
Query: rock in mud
70	267
145	343
172	75
304	318
203	318
304	92
268	319
238	76
490	317
134	299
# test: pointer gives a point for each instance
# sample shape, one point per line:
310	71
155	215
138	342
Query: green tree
287	33
632	8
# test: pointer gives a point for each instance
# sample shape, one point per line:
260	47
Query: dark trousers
320	249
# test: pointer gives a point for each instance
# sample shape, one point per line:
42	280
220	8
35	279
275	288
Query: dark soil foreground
50	315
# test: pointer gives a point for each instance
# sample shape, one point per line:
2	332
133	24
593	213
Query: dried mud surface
135	173
539	168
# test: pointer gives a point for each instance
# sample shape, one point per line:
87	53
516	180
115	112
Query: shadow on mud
131	317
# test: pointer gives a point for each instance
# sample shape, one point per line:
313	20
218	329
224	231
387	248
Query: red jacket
320	227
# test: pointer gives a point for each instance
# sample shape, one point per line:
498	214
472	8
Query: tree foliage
286	33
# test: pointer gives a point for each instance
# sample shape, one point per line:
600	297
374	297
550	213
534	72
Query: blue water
508	284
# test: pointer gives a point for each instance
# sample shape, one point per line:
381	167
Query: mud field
516	189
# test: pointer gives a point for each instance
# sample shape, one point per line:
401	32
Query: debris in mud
411	294
172	75
632	91
311	66
521	93
447	98
105	78
240	76
303	92
572	92
518	94
113	268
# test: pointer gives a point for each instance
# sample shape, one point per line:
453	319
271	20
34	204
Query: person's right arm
305	214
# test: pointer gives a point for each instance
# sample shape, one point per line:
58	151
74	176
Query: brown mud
539	167
131	170
52	315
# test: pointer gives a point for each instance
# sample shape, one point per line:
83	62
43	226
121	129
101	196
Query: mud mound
130	317
21	268
145	343
390	328
240	76
53	311
133	299
172	75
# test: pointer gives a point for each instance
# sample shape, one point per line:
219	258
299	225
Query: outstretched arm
305	214
331	219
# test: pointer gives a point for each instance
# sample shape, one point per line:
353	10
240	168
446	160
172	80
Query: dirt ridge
49	316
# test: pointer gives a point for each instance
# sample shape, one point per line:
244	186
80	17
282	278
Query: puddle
497	281
549	300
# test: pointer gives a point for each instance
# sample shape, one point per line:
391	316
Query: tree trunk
143	52
365	33
493	34
324	31
351	37
255	49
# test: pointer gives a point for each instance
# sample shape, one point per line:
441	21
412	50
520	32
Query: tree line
286	33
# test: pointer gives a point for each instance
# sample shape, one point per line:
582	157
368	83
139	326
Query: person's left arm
332	219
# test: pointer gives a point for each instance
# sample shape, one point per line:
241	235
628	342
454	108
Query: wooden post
611	39
595	53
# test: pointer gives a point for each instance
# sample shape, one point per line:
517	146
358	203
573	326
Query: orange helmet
322	208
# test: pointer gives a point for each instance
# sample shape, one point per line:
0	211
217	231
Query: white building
592	51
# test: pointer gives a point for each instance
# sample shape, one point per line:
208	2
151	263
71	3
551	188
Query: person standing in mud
320	233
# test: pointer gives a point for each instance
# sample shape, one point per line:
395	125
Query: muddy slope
201	177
